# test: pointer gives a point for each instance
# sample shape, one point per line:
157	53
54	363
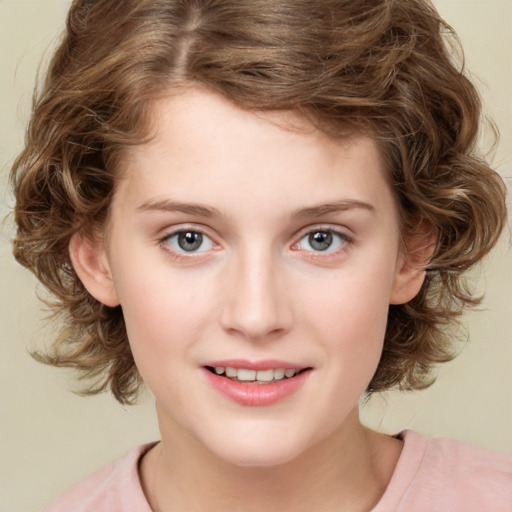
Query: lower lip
256	394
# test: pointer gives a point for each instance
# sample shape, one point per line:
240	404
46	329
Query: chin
259	451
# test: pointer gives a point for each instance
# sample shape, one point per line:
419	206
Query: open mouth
247	376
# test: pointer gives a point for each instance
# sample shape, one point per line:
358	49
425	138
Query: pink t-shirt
432	475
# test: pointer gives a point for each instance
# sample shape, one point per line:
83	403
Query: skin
255	289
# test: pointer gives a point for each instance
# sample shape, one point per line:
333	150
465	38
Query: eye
322	240
189	241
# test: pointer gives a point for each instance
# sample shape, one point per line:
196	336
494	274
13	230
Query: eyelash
183	255
344	243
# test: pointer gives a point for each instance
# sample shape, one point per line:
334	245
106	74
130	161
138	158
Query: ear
410	270
91	265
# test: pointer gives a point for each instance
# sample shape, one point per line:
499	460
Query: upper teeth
252	375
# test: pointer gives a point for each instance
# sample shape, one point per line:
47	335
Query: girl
262	210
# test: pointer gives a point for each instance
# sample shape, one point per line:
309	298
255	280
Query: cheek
350	301
349	316
162	326
162	309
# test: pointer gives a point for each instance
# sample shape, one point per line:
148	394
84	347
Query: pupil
189	241
321	240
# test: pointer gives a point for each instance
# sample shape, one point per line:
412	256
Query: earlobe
91	265
406	286
410	272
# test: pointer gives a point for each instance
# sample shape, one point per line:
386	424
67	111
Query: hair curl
380	66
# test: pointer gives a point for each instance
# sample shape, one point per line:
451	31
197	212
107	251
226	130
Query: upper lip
264	364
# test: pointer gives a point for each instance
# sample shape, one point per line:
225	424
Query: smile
256	384
268	376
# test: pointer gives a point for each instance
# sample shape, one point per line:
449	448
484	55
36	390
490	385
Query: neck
349	470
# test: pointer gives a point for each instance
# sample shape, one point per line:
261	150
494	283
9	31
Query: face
247	246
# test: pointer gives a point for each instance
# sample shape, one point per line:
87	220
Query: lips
256	384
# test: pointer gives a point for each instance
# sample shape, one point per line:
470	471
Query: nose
256	304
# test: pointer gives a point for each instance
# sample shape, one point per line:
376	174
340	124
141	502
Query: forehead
188	115
204	149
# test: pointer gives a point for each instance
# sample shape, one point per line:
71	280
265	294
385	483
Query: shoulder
445	474
458	457
453	460
114	488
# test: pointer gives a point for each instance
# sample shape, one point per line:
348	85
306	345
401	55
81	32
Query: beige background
50	438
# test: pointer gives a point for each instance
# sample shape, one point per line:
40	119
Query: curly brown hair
383	67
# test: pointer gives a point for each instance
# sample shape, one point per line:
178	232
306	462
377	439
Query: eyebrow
176	206
334	207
